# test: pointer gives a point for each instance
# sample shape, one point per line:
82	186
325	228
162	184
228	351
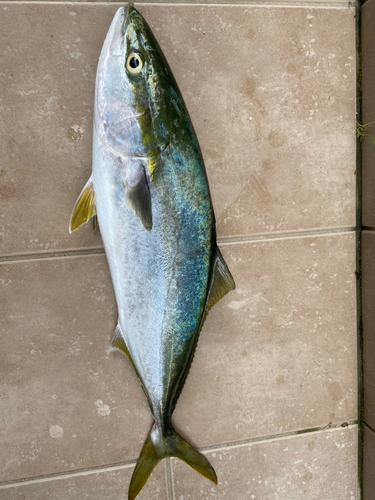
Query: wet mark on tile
276	139
335	391
102	409
56	432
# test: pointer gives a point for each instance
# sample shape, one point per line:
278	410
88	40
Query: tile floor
271	90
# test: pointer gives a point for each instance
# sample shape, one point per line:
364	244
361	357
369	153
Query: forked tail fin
170	444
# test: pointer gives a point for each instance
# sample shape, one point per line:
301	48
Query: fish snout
116	32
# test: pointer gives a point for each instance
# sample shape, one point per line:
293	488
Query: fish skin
154	210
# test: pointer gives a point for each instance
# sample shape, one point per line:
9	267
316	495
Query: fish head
138	106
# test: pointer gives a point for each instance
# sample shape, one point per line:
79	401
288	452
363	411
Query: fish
148	193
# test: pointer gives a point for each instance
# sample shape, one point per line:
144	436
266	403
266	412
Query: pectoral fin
95	223
138	197
220	284
84	208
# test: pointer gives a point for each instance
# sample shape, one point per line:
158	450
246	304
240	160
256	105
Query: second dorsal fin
220	284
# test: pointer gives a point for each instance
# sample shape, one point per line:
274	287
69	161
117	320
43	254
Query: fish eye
134	64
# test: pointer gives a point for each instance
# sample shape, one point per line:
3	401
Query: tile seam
129	463
283	435
68	474
369	427
324	4
221	241
51	255
168	479
286	235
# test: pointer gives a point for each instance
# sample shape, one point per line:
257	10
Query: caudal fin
170	444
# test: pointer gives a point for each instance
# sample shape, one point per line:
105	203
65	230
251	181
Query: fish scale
150	195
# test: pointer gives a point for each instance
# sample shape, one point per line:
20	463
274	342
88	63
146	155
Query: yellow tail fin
159	445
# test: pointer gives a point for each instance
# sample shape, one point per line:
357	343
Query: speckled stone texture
279	354
103	485
276	134
270	358
319	465
271	91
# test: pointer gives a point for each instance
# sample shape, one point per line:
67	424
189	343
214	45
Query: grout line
323	4
285	235
169	479
68	474
169	474
221	241
51	255
368	228
369	426
282	435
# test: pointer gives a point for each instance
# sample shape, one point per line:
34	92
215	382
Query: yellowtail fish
149	193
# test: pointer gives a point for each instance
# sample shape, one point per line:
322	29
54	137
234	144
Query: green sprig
362	131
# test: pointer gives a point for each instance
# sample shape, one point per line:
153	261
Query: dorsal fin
84	208
220	284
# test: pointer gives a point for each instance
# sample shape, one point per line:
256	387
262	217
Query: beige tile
368	315
66	402
47	75
368	464
278	353
104	485
282	2
292	71
309	466
368	112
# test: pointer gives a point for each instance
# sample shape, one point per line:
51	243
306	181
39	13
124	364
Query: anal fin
118	342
